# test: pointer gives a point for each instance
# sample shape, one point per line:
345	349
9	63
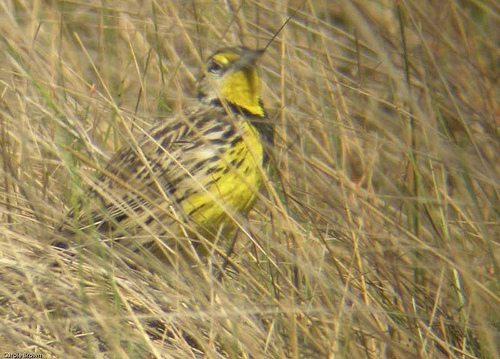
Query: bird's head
231	76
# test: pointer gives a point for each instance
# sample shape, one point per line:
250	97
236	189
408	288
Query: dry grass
377	234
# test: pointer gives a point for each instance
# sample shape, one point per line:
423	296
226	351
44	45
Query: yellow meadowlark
195	172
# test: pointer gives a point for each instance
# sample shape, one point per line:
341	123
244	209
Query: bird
190	178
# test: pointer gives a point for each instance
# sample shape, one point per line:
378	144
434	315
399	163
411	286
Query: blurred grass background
376	235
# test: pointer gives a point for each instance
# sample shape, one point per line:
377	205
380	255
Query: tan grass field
376	235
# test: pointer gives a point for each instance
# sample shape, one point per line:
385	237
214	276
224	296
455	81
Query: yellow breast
233	188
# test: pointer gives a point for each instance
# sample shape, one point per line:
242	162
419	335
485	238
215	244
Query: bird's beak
249	57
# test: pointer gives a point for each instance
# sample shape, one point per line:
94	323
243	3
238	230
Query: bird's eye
214	67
